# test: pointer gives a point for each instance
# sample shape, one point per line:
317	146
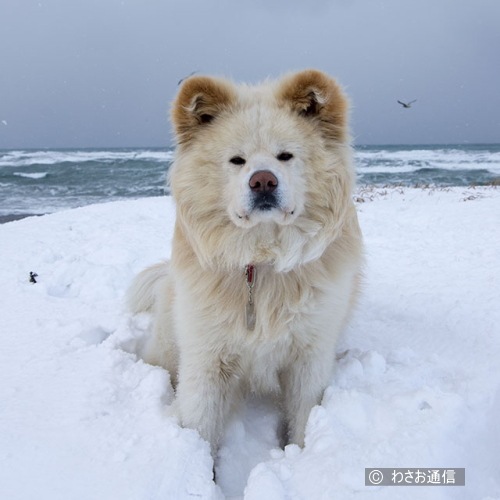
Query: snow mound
416	383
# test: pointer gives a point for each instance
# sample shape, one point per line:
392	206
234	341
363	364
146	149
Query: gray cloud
102	73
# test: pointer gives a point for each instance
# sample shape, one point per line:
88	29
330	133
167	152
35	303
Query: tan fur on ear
316	96
199	101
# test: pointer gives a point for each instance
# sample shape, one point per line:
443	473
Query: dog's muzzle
264	187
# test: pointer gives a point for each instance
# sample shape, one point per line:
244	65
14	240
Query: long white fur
307	253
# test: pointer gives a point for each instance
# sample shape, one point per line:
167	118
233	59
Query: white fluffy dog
266	253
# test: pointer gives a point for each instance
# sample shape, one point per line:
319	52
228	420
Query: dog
267	251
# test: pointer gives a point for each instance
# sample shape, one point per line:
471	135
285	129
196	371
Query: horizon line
355	145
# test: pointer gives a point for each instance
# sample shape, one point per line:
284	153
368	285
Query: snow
416	385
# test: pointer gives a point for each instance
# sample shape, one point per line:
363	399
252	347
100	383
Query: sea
36	182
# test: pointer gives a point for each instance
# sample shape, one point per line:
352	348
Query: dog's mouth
265	202
266	208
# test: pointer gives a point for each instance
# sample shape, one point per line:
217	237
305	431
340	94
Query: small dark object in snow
33	276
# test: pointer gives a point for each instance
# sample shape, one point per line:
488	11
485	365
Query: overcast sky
102	73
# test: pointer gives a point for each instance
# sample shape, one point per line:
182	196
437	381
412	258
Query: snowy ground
417	383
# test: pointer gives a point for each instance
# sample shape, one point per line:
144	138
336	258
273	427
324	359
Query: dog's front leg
207	387
303	384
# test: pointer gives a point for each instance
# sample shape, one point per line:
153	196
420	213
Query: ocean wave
35	175
46	181
411	160
387	168
28	158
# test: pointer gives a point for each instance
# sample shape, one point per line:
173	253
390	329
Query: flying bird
407	104
186	77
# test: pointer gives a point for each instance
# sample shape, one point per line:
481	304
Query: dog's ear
200	100
315	96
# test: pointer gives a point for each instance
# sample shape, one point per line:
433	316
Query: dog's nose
263	181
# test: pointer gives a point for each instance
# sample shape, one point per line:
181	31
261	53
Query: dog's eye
285	156
237	160
205	118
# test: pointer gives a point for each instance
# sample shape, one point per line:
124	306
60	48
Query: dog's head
254	160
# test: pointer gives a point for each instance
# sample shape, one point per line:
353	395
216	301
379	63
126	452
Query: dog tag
250	309
250	313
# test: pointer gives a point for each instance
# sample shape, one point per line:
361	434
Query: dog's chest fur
290	317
